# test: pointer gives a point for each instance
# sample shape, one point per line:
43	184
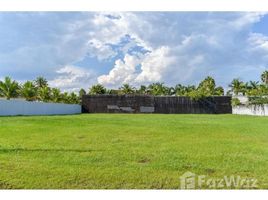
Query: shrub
235	102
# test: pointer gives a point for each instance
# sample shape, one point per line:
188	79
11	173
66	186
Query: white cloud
73	78
124	71
258	41
177	47
186	47
155	65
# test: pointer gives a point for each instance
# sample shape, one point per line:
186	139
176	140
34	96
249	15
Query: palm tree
143	90
254	84
158	89
170	90
127	89
190	88
44	94
264	77
9	88
40	82
29	91
65	97
180	90
237	86
73	98
55	95
97	89
218	91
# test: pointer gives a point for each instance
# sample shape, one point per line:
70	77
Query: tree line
251	88
39	90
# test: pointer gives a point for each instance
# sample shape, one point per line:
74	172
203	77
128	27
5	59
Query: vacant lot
130	151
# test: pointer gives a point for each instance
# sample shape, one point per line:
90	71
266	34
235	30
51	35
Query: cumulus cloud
135	47
72	78
186	47
124	71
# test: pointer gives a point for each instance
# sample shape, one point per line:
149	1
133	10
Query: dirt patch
144	161
210	171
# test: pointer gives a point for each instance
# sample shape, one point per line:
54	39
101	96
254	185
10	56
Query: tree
181	90
254	84
82	92
237	86
44	94
207	86
97	89
40	82
9	89
252	88
264	77
263	89
55	95
158	89
127	89
73	98
170	90
29	91
65	97
219	91
142	90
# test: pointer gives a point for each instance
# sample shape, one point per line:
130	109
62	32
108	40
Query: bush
235	102
258	100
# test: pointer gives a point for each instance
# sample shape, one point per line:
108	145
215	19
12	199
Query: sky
74	50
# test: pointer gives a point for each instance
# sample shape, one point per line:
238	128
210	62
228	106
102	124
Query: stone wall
154	104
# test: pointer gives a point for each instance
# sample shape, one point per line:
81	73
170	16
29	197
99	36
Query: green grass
129	150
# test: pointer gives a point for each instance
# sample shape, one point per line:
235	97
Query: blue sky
78	49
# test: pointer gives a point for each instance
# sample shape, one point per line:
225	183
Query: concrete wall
154	104
260	110
21	107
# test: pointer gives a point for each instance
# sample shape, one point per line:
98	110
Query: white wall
260	110
21	107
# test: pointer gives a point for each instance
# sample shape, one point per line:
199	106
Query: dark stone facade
155	104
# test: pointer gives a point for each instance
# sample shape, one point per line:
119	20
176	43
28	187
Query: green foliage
181	90
218	91
264	77
82	92
127	89
158	89
73	98
97	89
112	91
9	88
40	82
29	91
196	95
258	100
142	90
55	95
235	102
237	86
44	94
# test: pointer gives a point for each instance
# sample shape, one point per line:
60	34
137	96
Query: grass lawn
129	150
